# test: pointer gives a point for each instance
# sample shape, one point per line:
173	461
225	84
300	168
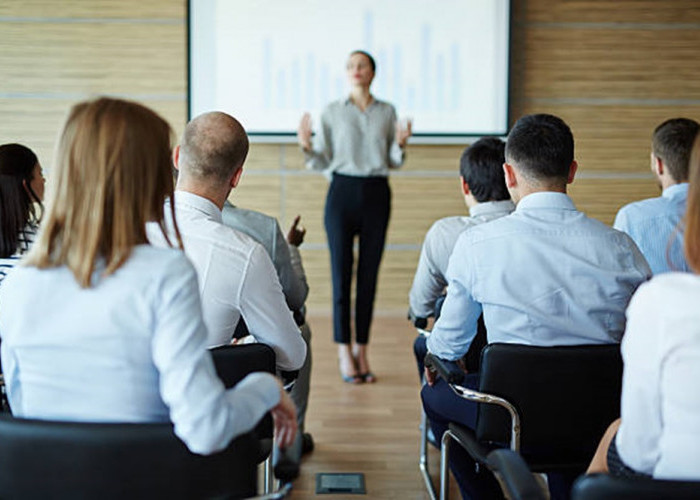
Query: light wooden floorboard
369	428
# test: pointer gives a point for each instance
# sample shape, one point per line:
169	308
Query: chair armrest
417	321
516	478
482	397
448	370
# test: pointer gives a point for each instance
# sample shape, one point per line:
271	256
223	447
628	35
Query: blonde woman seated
119	336
658	434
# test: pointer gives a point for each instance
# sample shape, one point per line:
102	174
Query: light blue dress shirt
653	225
132	348
429	282
544	275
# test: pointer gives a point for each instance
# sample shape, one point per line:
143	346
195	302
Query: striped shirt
24	243
653	224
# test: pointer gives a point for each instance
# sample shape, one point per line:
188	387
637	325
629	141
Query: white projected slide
442	63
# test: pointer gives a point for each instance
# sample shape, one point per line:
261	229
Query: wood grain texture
608	63
612	70
370	428
605	11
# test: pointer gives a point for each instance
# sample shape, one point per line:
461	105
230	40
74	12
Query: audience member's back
546	274
654	223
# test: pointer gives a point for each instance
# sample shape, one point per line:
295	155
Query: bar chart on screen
444	64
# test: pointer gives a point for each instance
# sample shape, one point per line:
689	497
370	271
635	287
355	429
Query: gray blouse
354	142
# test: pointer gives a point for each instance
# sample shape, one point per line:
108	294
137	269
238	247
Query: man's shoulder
644	208
450	224
246	218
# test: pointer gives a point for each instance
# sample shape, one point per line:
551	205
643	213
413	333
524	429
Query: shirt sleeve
396	154
205	415
638	437
322	152
428	282
266	313
456	328
289	269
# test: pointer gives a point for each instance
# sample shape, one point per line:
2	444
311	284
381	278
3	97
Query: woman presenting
358	142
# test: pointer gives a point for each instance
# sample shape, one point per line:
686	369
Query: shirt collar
491	207
185	199
545	199
676	191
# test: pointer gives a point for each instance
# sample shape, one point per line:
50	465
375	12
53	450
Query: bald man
236	276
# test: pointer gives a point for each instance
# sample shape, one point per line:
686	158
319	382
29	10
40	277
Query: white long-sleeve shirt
236	278
132	348
660	409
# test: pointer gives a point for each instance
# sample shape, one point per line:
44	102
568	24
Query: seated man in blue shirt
487	198
653	224
545	275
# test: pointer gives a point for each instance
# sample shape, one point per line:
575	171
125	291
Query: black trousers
355	206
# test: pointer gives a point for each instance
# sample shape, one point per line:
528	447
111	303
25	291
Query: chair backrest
607	487
566	398
41	459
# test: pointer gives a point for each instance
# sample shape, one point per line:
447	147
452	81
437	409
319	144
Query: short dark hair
542	146
672	142
368	56
17	198
481	166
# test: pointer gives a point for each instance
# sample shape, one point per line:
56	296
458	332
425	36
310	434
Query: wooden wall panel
612	70
98	9
119	59
609	63
602	198
606	11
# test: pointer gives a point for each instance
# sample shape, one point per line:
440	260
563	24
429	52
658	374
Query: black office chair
550	404
519	484
41	459
606	487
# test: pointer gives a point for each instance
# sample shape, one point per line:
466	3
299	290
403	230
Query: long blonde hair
112	175
691	240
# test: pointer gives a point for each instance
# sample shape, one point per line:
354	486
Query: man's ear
658	165
509	173
176	157
236	177
465	186
572	172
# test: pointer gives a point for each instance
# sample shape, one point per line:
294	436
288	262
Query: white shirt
430	281
660	430
132	348
236	278
544	275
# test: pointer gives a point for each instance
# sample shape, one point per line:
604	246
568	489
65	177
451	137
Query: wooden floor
368	428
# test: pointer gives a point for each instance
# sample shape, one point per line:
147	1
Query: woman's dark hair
17	198
369	58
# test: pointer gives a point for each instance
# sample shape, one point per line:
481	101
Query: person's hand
403	133
284	416
430	376
296	233
304	132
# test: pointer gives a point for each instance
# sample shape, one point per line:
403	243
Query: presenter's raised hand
403	131
304	132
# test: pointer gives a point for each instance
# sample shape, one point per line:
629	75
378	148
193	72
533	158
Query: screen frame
288	137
